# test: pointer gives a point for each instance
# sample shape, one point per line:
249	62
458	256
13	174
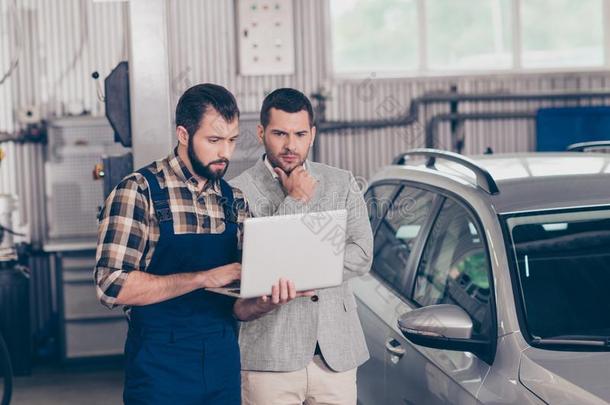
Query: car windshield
563	271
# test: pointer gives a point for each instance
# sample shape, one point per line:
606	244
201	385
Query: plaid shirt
128	229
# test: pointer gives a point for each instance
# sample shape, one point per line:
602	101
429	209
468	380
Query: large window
372	35
468	34
562	33
389	37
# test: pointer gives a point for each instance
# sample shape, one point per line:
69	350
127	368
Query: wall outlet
28	114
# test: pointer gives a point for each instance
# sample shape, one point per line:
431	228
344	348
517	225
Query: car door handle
394	347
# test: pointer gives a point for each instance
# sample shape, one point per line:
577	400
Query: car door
397	214
453	268
371	376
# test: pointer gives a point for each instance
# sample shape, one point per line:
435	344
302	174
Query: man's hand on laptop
282	292
298	184
221	276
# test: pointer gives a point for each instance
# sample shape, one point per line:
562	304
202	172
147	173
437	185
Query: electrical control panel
265	35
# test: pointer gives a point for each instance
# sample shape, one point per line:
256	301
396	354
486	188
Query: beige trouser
316	384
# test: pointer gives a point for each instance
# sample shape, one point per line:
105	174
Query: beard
203	170
276	161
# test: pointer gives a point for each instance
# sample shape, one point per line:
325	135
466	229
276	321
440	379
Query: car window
563	269
378	198
398	231
454	268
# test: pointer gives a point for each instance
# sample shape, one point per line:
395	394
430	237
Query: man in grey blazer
302	347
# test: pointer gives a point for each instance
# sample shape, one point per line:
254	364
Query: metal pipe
432	125
448	97
454	125
331	126
412	114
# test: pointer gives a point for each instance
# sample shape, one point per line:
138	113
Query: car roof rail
582	146
484	178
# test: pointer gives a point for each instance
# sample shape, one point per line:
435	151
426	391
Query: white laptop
307	249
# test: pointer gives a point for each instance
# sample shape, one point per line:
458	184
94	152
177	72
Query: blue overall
184	350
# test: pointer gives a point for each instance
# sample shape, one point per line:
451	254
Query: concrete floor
63	385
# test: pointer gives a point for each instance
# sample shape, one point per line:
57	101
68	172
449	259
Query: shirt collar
184	174
270	168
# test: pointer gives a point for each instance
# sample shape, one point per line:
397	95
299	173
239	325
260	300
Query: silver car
490	280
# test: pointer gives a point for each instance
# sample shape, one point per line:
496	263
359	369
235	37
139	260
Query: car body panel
584	179
449	377
552	193
501	385
567	377
519	373
371	375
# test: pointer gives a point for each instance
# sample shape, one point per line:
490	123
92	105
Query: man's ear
260	133
182	135
313	135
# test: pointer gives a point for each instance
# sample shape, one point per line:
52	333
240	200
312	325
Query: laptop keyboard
235	285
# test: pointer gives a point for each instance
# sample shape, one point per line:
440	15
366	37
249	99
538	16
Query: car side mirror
448	321
443	326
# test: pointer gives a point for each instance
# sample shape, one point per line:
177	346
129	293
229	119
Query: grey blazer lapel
267	186
319	193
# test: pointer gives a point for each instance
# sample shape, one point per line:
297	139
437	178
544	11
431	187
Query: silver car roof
527	181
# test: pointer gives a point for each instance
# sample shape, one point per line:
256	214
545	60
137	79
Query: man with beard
308	350
166	232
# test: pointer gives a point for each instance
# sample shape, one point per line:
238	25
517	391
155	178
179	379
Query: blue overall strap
160	200
227	201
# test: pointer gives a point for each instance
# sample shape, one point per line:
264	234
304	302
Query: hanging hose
7	371
14	63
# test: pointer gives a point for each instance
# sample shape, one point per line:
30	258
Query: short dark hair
194	103
288	100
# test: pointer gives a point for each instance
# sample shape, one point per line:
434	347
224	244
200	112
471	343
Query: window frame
478	224
393	195
408	279
441	195
402	288
423	70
